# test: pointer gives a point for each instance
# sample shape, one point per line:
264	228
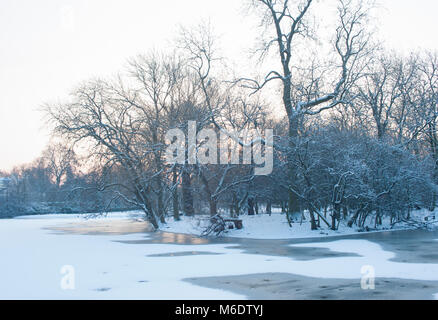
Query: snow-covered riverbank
262	226
276	226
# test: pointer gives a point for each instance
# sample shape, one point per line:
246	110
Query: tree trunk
336	214
175	196
345	212
236	205
187	195
232	210
250	206
161	212
153	221
319	221
269	207
312	220
213	206
378	218
353	220
435	179
293	200
141	195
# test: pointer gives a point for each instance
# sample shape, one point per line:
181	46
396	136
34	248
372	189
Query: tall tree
287	26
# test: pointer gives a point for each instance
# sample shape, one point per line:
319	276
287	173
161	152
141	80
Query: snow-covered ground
263	226
36	263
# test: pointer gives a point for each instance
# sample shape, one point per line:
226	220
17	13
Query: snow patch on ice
371	254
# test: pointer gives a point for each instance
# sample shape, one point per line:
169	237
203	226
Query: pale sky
49	46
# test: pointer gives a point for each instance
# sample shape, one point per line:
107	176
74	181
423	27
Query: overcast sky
48	46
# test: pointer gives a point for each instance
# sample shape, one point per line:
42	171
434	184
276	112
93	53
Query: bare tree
60	160
113	135
427	109
386	90
288	20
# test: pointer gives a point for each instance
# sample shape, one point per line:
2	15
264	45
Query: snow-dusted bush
353	176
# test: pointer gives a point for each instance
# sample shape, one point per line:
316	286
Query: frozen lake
68	257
